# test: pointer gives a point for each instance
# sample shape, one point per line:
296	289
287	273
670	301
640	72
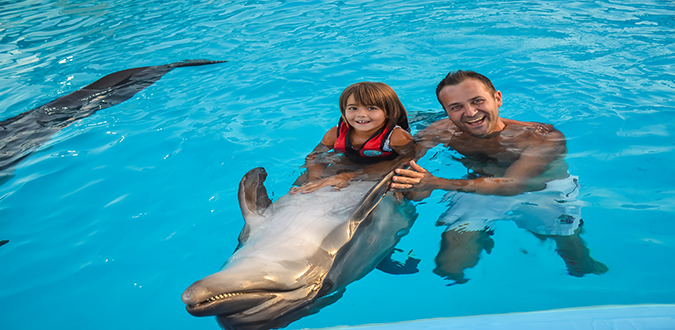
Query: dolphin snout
195	293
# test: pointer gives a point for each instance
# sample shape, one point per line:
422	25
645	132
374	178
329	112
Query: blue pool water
119	212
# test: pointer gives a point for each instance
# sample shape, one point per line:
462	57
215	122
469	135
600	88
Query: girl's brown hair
380	95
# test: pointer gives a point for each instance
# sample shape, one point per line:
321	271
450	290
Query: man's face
472	108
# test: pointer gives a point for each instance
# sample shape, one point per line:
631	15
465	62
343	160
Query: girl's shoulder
330	137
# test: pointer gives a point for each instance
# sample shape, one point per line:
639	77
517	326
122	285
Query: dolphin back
22	134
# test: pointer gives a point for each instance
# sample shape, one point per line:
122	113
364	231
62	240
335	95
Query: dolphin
298	254
22	134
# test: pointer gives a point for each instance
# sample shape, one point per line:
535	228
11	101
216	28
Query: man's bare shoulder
533	130
542	139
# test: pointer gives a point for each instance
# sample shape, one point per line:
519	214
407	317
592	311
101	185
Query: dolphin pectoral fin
369	202
394	267
312	308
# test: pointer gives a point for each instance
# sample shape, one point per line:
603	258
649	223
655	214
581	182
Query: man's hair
380	95
456	77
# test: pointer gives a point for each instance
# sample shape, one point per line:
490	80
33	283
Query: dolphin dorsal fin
369	202
253	200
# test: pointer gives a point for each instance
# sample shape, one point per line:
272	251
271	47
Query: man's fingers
409	173
416	167
408	179
400	186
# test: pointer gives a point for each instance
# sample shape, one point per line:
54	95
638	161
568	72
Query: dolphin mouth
230	303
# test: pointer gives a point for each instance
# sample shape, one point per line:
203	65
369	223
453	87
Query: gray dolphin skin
298	254
24	133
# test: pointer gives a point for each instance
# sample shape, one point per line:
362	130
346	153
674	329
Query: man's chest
488	151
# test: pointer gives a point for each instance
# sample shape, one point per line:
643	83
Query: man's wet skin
504	157
576	255
461	250
513	156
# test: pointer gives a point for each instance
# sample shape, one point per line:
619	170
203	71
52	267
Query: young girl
373	129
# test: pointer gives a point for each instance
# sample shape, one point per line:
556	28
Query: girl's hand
337	181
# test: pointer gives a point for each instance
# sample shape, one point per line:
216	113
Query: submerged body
297	254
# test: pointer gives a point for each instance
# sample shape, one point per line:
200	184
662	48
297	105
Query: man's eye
478	101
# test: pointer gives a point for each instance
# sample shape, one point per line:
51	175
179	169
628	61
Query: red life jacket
371	151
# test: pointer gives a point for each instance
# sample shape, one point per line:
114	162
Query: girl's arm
400	141
315	169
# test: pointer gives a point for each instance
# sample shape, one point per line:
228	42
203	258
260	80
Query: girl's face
364	118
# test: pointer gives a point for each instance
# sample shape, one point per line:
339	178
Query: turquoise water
121	211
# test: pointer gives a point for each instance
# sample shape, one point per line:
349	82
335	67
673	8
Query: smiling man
516	171
507	157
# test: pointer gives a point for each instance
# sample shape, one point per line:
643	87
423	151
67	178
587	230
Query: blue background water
121	211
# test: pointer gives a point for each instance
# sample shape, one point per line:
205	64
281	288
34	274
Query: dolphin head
250	291
275	269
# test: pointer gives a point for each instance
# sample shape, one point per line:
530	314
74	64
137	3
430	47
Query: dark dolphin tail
22	134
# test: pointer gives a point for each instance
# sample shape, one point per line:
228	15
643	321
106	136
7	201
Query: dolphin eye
326	288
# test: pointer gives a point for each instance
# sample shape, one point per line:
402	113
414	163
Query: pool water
119	212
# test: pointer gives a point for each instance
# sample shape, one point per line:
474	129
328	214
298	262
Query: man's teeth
475	120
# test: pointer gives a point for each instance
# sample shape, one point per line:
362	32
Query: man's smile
477	121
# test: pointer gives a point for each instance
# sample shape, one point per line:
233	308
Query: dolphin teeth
223	295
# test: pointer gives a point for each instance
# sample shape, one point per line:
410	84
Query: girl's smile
364	118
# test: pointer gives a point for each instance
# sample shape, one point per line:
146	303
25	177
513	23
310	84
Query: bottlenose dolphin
298	254
22	134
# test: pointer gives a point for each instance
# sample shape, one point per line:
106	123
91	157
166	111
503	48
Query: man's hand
414	178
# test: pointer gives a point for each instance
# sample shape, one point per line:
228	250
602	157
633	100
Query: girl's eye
373	108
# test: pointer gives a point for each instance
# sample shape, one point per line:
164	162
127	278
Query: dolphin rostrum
22	134
298	254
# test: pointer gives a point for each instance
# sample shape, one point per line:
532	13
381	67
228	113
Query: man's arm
434	134
533	162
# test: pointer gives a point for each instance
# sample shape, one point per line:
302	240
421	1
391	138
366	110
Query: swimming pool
121	211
